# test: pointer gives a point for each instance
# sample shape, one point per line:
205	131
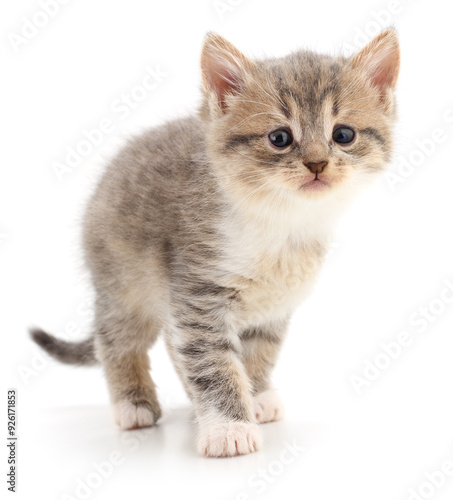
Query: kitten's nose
316	167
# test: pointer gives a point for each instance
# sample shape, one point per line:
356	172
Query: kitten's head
306	125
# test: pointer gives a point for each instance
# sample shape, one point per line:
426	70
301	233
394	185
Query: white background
393	256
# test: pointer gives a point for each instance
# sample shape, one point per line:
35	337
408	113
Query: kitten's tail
72	353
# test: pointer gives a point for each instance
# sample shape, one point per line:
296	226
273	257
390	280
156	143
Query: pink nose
316	167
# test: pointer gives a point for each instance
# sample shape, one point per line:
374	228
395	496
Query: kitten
212	229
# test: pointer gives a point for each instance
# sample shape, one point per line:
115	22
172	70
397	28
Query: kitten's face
305	125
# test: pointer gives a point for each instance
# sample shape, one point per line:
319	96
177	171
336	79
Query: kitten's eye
343	135
281	138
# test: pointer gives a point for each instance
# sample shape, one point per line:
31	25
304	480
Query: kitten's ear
380	60
224	69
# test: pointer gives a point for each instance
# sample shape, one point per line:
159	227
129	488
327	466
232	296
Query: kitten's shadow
92	428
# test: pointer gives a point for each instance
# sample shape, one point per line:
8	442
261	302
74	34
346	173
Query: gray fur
71	353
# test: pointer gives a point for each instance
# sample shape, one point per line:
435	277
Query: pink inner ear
383	73
380	60
222	74
223	82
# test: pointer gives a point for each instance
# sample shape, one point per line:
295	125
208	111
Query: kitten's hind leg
122	348
260	351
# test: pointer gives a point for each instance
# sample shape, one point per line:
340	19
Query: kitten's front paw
134	415
229	439
268	407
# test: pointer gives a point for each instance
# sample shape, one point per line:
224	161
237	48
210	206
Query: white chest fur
274	262
279	283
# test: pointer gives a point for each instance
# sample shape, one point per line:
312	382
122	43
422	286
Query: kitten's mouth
315	184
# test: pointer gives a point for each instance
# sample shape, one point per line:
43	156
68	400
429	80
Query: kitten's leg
208	357
260	351
221	392
122	346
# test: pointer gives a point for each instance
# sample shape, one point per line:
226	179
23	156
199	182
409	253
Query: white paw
268	407
229	439
133	416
